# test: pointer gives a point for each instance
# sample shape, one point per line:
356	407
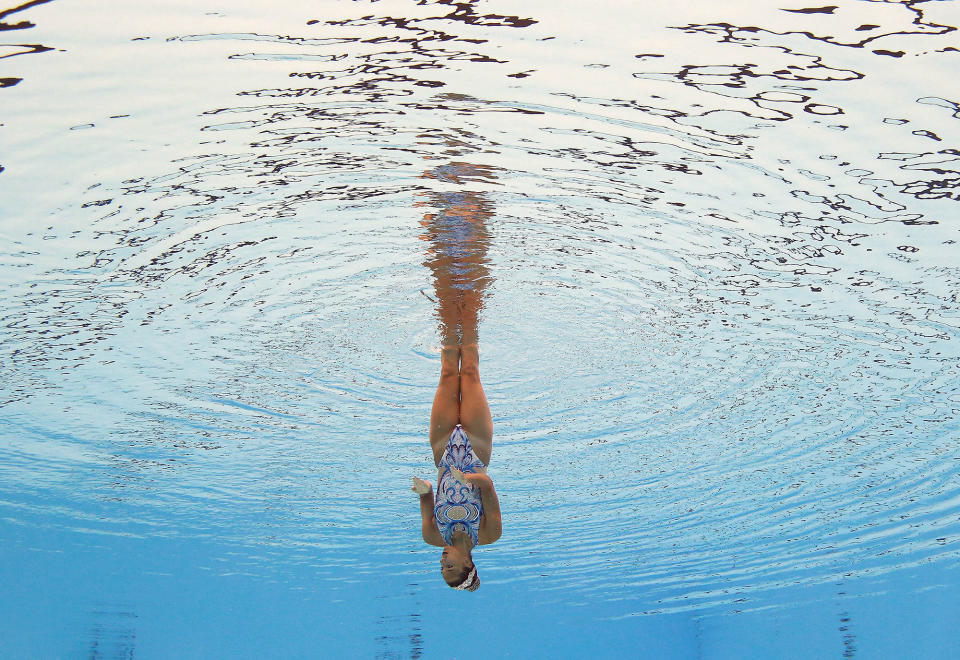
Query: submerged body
466	511
458	506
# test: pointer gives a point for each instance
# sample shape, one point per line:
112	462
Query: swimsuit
458	507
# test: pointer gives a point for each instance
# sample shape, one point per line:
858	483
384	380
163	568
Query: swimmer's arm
428	521
491	526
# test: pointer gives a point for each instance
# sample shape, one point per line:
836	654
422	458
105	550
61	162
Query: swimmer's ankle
450	351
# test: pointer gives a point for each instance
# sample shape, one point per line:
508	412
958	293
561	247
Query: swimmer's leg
446	402
474	410
448	308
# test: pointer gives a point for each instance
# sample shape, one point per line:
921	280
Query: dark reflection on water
793	65
380	75
18	48
399	636
113	634
8	50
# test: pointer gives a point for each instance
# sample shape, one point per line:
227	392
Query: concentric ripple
719	342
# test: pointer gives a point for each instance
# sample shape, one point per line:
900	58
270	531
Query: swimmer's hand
479	479
459	476
421	487
465	478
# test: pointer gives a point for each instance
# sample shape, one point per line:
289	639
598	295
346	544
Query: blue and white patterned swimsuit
458	507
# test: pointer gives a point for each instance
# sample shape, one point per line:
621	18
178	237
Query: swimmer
465	512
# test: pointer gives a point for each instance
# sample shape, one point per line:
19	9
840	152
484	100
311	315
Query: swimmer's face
453	565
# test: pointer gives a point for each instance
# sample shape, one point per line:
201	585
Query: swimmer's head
458	569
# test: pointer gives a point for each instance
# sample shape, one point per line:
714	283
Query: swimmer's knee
449	373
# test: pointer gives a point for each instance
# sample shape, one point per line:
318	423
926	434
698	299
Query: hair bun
471	582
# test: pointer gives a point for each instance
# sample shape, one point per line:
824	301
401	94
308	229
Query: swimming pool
719	339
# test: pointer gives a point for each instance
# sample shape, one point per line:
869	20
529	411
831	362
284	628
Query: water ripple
720	334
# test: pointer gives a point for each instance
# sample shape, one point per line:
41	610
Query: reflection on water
457	257
8	49
114	633
723	340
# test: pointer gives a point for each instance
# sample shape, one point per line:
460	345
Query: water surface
719	339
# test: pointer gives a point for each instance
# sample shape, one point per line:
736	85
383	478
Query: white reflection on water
720	343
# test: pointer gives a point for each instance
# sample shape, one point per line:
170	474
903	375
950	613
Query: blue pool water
719	339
